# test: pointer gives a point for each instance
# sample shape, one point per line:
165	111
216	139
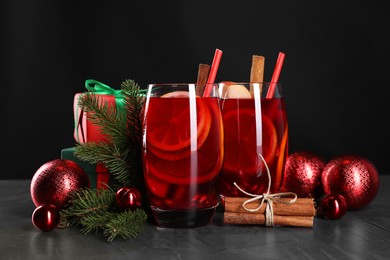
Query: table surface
360	234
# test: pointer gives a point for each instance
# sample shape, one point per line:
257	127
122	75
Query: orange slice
176	94
169	124
171	155
208	167
156	186
240	142
235	91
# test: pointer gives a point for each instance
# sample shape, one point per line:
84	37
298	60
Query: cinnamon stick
301	207
259	219
257	70
203	74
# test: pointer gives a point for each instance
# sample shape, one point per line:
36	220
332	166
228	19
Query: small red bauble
128	198
303	174
352	176
46	217
55	180
333	206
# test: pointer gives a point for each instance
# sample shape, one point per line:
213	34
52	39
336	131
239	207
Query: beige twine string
267	197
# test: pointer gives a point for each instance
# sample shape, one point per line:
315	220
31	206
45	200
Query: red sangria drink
255	136
182	154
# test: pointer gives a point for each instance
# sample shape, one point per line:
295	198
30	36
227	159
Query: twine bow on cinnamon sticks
278	209
270	210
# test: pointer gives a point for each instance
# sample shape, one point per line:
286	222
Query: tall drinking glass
182	154
256	136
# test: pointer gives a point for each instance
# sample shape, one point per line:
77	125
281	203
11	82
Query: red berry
46	217
128	198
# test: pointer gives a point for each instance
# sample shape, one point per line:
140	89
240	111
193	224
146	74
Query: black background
335	74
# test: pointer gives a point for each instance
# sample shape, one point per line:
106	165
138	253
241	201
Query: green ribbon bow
100	88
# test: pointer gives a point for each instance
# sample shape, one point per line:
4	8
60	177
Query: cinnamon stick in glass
203	74
259	219
257	70
301	207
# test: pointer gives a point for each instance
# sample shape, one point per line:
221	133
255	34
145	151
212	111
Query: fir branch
134	101
94	210
127	224
84	202
115	159
111	119
96	222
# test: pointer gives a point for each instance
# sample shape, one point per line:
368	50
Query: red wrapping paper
84	130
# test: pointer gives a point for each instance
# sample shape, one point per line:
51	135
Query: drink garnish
257	71
203	74
276	74
213	72
235	91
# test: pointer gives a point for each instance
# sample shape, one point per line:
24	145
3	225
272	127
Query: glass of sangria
256	136
182	153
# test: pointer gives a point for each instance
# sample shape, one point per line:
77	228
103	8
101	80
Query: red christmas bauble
333	206
303	174
128	198
352	176
55	180
46	217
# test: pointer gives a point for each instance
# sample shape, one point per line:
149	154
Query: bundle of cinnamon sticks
298	214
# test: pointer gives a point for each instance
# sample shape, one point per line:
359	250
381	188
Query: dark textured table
361	234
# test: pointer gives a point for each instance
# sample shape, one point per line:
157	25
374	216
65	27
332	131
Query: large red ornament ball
303	174
128	198
352	176
333	206
46	217
55	180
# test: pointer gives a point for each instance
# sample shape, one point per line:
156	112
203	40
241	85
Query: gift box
99	176
84	129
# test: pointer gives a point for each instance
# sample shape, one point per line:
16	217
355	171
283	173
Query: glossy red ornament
46	217
352	176
303	174
128	198
53	182
333	206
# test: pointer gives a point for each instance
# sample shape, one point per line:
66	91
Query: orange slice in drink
235	91
176	94
169	129
204	167
171	155
241	150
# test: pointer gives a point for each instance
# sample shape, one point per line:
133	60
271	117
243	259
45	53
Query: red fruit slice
176	94
156	186
167	171
182	153
168	130
240	142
